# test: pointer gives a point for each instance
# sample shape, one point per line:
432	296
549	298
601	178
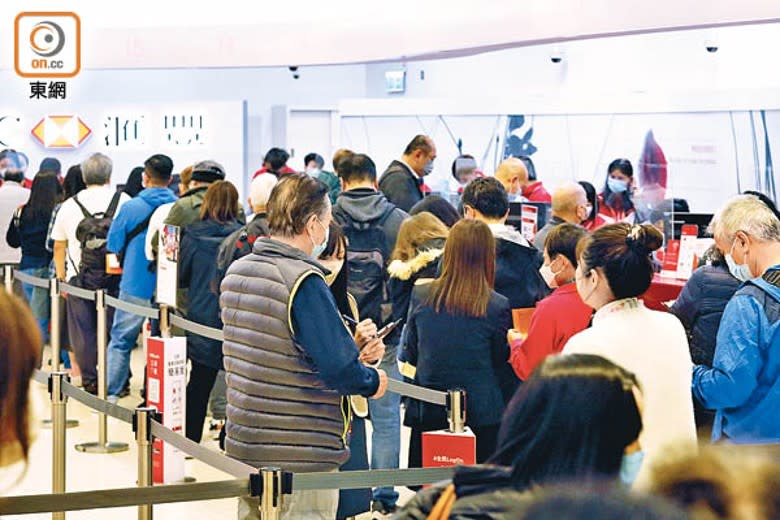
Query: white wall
666	71
261	88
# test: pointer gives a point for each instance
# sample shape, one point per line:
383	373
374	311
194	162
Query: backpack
367	259
92	234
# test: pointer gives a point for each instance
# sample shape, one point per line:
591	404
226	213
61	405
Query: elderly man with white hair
743	384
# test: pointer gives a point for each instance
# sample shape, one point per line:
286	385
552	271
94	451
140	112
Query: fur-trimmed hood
405	270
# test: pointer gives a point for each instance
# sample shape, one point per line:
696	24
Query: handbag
441	510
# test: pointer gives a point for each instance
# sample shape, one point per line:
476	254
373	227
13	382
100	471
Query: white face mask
739	271
549	275
320	248
313	172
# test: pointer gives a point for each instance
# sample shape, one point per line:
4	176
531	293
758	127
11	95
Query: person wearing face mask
352	502
577	419
614	268
559	316
402	182
743	383
314	167
371	224
514	175
289	359
616	201
569	204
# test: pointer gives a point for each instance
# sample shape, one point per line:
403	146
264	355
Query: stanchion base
70	423
96	447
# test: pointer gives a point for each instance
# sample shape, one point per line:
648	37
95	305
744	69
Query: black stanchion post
102	445
456	410
59	432
143	435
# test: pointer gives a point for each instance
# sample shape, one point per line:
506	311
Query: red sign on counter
444	448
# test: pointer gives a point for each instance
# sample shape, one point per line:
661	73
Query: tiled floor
92	471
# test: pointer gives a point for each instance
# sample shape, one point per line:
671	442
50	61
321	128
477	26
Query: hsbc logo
61	131
47	44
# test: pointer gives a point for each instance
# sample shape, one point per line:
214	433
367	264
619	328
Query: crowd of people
340	280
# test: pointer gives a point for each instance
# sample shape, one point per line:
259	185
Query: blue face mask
629	468
428	168
739	271
320	248
617	185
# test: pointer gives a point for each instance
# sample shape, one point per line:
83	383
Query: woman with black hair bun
614	269
615	201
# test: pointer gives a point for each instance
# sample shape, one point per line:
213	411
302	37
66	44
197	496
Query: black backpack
367	259
92	234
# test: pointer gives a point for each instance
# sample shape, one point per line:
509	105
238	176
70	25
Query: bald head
513	174
569	203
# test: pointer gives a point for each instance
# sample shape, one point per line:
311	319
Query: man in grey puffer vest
289	358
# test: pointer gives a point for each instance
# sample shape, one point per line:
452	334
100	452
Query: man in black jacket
517	263
403	180
371	225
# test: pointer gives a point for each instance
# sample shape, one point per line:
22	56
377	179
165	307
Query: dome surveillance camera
293	68
556	57
711	46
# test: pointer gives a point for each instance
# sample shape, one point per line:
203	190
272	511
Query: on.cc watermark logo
47	44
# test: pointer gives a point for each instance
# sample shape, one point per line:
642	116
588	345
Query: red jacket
612	215
535	192
284	171
556	319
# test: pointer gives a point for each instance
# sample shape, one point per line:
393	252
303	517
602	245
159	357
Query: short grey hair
748	214
96	170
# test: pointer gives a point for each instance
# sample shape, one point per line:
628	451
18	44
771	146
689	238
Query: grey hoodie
368	205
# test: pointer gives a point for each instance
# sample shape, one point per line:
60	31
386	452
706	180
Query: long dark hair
220	203
45	193
593	199
620	201
74	181
572	419
468	271
338	241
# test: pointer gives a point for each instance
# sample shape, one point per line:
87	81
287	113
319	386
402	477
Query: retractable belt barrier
23	277
269	484
132	308
196	328
78	292
90	401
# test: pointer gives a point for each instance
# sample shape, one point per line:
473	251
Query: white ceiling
198	33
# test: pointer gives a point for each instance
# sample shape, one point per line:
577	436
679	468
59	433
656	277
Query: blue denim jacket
743	384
